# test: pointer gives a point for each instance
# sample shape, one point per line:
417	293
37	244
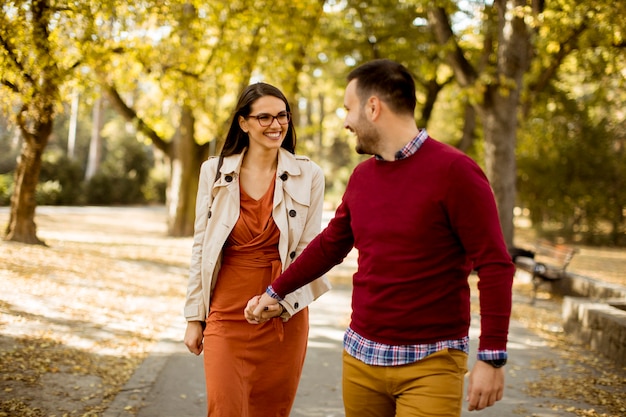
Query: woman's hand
257	313
194	339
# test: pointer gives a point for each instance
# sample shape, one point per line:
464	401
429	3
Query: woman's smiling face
269	137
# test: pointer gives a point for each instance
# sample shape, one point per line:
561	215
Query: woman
257	208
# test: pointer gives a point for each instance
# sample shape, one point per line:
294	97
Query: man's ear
373	107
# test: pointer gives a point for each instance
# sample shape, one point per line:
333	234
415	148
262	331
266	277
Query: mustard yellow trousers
431	387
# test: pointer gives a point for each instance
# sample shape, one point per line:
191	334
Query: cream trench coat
298	201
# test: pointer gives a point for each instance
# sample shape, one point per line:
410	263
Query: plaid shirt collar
410	148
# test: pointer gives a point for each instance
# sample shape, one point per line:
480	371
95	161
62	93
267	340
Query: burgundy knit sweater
420	226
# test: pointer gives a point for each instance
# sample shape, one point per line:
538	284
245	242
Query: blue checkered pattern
378	354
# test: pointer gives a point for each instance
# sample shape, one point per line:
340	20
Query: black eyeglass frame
258	118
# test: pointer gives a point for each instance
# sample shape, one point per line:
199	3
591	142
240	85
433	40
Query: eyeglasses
266	120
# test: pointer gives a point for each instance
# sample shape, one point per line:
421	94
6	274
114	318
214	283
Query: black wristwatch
496	363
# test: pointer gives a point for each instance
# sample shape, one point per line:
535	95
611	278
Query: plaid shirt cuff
490	355
271	293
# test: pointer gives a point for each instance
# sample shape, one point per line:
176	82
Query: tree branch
433	88
464	71
548	73
11	86
564	50
131	115
13	57
233	11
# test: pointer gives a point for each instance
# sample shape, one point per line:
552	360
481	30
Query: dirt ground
77	317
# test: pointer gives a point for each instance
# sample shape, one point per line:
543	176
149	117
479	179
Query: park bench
546	262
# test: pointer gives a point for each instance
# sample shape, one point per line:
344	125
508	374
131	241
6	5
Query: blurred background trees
113	102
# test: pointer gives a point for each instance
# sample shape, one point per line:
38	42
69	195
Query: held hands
486	386
262	308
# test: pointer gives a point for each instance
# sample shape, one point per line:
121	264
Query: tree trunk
185	162
21	227
73	128
185	157
35	120
499	117
500	109
95	143
469	128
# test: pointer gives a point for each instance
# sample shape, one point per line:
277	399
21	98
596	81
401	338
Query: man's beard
367	138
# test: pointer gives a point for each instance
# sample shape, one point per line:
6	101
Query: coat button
292	255
228	178
209	214
292	213
284	176
296	305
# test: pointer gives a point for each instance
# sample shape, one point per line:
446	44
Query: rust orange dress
251	370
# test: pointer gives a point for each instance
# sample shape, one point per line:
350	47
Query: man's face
358	123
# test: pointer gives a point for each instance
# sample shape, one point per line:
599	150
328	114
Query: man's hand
194	340
259	309
486	386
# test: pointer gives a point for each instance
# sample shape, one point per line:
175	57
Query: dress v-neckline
260	199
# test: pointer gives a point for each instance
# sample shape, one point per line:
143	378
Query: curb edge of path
131	398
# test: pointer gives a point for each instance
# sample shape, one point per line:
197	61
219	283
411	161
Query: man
422	216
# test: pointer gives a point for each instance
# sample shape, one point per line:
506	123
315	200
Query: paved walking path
170	382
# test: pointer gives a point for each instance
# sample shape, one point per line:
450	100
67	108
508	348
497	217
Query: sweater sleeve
326	250
474	217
